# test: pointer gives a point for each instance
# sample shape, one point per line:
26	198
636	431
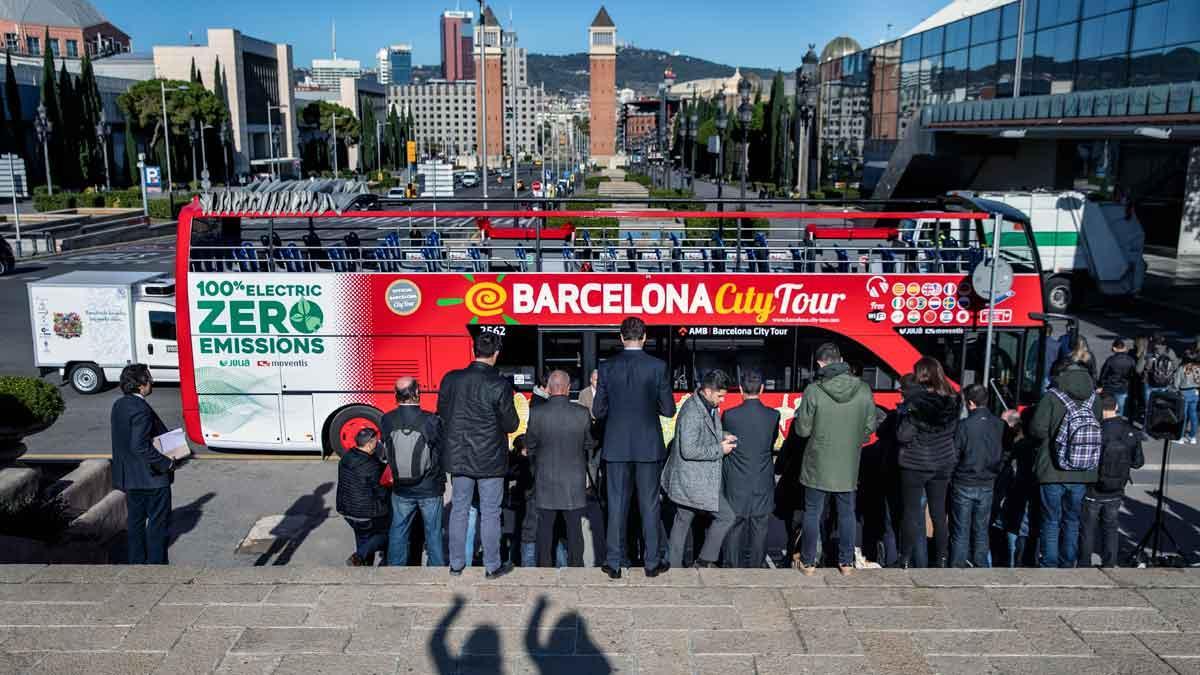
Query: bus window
863	363
518	353
693	356
563	350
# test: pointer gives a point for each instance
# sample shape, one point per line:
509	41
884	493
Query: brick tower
488	78
602	53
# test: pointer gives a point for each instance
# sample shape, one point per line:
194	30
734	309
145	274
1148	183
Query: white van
90	325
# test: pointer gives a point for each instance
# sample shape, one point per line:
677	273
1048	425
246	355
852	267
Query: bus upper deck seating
717	253
676	254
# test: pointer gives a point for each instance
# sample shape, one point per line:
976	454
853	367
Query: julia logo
877	287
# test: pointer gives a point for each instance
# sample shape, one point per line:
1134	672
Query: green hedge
641	178
593	182
702	229
159	207
28	401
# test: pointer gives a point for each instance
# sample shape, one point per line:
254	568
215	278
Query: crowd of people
941	480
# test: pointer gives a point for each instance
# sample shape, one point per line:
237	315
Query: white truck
89	325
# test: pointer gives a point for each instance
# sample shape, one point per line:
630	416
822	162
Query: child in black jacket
1120	451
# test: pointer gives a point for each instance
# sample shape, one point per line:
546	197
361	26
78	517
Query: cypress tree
50	101
68	131
194	76
91	154
12	100
131	151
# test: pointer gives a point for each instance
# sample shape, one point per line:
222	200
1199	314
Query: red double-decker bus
298	322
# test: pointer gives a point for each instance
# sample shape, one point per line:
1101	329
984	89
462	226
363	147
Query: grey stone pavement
111	619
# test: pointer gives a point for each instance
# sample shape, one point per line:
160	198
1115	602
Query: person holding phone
692	477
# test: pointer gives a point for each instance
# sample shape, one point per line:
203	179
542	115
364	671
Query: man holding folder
138	468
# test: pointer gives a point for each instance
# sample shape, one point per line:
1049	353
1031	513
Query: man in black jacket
749	474
361	500
139	470
1116	373
559	442
979	441
423	495
632	393
476	407
1120	451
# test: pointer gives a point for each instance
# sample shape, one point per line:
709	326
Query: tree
68	130
368	139
195	74
771	127
142	103
131	152
319	115
91	154
50	101
12	100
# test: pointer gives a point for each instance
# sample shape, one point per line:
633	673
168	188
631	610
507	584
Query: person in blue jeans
1062	490
1187	381
421	494
980	444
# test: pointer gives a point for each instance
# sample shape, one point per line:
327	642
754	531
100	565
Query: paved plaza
108	619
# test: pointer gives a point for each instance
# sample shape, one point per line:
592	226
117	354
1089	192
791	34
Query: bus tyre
346	424
1058	295
86	378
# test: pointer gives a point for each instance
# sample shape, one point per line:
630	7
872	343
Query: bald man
412	440
559	442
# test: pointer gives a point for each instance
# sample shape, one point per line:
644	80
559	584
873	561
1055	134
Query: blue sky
763	33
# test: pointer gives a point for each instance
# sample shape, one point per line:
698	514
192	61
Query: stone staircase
95	512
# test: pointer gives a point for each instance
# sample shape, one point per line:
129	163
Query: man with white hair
559	442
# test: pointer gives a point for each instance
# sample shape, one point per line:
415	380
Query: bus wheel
346	425
1058	294
86	378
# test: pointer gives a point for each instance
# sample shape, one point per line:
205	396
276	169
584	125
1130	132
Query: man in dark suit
749	474
139	470
632	393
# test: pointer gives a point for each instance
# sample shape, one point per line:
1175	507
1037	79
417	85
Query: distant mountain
637	69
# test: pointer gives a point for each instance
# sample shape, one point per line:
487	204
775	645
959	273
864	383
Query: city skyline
546	27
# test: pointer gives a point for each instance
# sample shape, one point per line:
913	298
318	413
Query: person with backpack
1120	451
1117	372
927	457
980	445
1187	382
412	443
1066	426
1157	367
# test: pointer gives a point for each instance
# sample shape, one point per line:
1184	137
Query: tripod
1153	536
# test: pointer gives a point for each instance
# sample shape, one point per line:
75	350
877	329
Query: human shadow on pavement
301	518
185	518
481	651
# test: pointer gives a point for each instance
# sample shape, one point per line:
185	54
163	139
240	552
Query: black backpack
1115	462
409	456
1161	371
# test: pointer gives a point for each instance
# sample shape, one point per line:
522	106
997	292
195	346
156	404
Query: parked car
397	193
470	179
7	260
506	173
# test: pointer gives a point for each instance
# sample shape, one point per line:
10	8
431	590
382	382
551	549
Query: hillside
637	69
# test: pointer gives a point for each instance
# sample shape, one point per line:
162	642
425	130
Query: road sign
439	179
412	151
153	179
536	187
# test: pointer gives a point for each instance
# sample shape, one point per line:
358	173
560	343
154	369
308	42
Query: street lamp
333	140
193	134
693	132
43	126
103	131
271	132
722	123
745	114
224	134
205	183
162	88
663	145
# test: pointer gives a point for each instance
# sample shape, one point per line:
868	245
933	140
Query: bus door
580	350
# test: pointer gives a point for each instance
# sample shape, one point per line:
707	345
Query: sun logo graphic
484	299
877	287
